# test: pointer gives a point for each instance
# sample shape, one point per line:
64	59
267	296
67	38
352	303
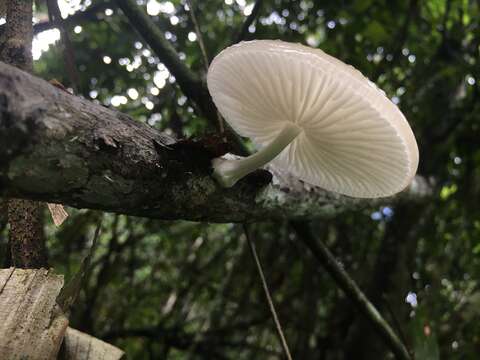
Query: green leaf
362	5
376	32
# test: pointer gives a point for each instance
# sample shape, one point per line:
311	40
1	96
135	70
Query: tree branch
67	49
90	14
348	285
191	85
201	43
61	148
249	21
266	290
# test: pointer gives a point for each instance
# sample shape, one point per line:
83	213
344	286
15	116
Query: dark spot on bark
159	146
106	142
18	54
3	184
33	120
5	118
259	178
10	135
17	133
194	153
211	146
216	145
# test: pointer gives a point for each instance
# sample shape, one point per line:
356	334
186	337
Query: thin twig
249	21
206	61
188	81
68	52
444	31
351	289
398	42
251	245
395	320
89	14
69	293
191	85
201	43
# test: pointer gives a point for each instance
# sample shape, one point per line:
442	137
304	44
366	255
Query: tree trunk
17	45
27	240
27	243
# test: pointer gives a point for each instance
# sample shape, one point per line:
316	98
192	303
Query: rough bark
60	148
26	240
80	346
26	237
32	325
3	7
17	47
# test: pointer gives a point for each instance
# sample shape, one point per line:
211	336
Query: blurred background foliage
181	290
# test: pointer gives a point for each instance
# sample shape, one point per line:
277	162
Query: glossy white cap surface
355	141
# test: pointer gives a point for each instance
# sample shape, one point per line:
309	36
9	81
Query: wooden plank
32	325
80	346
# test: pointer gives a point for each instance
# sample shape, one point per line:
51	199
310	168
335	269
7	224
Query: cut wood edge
80	346
32	325
58	213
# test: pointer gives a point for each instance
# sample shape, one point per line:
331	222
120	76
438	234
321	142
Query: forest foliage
184	290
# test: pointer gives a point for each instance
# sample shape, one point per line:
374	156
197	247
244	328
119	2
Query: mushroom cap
355	141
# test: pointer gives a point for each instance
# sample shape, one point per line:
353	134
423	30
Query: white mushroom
312	115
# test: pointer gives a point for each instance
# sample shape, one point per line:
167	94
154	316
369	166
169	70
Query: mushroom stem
228	172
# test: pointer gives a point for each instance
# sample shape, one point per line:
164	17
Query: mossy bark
85	155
